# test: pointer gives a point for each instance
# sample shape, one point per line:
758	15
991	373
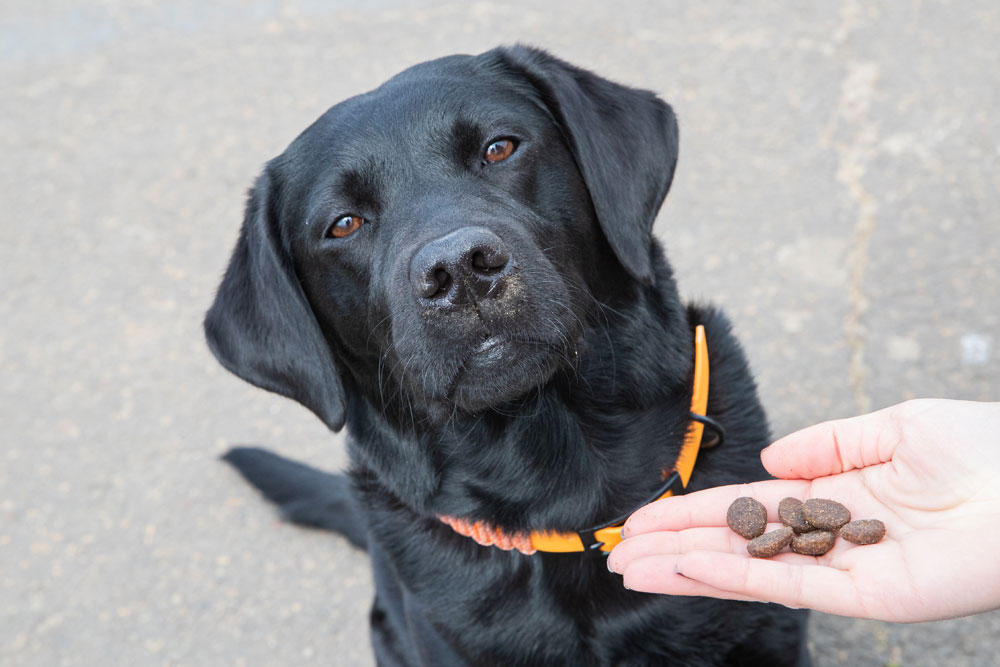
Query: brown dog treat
825	514
813	543
770	544
790	514
863	531
747	517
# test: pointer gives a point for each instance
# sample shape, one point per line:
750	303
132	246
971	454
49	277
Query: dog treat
863	531
825	514
747	517
813	543
770	544
809	527
790	514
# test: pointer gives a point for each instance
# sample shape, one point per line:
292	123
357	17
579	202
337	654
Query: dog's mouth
491	351
488	364
495	372
501	368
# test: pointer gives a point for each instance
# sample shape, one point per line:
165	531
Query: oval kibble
790	514
770	544
863	531
747	517
813	543
825	514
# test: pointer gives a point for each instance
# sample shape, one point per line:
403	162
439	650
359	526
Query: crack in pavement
852	117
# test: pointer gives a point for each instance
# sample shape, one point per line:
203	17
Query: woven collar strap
606	536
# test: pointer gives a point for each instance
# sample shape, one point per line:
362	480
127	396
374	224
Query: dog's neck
588	445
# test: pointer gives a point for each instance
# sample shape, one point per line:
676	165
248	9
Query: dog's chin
499	371
495	373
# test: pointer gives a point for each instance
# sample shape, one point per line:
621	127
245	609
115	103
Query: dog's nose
464	265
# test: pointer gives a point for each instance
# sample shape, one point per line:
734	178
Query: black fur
546	392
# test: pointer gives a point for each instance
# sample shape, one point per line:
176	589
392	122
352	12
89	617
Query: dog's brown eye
346	226
500	150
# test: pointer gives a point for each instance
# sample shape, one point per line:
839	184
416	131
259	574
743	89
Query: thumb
834	447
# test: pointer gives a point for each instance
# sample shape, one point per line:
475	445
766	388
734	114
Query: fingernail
624	531
610	569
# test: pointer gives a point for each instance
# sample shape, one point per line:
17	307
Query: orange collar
606	536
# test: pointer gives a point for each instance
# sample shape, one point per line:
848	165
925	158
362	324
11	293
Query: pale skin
929	469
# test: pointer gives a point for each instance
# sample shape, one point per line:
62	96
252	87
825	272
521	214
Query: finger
709	507
675	543
658	574
661	543
834	447
793	584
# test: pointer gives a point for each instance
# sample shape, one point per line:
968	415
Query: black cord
712	425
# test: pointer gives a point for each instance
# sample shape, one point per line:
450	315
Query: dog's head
433	242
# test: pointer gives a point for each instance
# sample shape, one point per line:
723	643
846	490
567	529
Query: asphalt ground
837	193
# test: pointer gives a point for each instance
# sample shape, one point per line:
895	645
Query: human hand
928	469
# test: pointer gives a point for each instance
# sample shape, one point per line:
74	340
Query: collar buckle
603	538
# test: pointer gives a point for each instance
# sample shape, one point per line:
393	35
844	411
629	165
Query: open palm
928	469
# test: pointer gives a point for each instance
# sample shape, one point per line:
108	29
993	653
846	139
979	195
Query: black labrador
459	266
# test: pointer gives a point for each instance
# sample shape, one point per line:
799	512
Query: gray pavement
837	192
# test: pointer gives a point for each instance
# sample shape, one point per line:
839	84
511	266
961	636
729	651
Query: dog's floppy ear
261	326
624	141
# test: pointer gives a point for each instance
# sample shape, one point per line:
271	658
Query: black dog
459	266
